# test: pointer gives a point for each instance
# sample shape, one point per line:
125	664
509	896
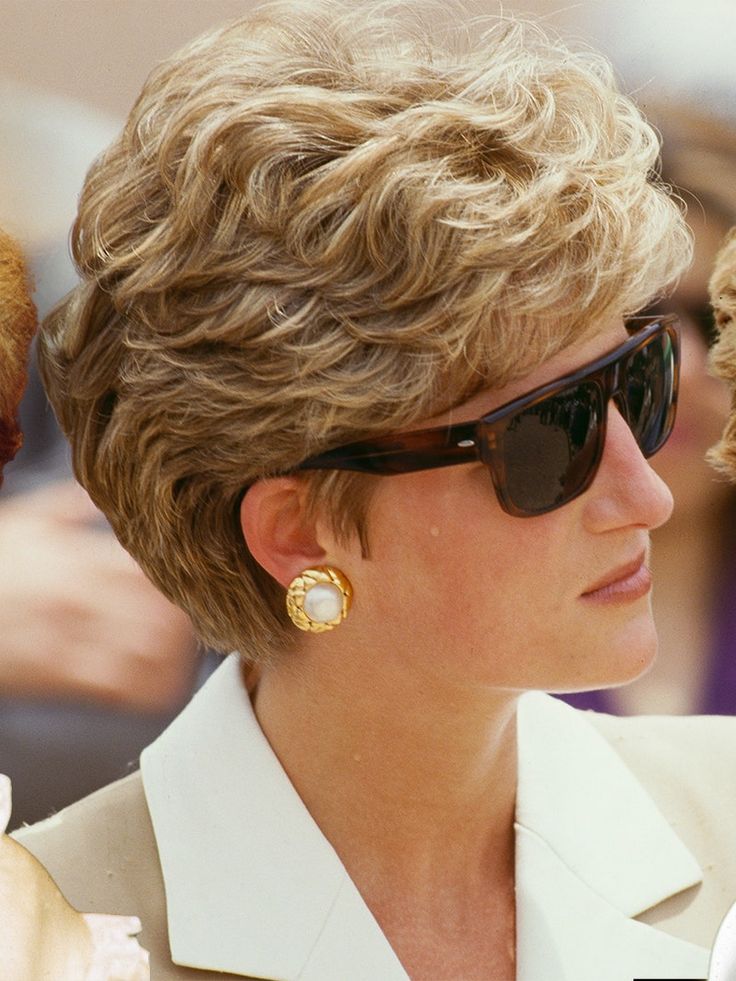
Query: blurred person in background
694	554
94	661
17	324
41	935
723	298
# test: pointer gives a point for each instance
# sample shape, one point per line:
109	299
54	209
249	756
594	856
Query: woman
325	244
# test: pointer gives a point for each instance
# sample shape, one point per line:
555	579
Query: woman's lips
623	585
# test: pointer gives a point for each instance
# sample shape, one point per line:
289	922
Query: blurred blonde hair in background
723	356
17	324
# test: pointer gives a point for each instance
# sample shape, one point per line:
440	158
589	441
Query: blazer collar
254	888
252	885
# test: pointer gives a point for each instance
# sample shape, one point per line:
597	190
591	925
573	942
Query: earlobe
277	529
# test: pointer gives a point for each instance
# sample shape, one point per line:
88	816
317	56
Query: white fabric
254	888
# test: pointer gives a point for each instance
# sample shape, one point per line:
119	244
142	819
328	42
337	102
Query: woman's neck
414	786
422	782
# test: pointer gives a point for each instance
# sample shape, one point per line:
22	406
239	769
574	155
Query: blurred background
99	51
93	663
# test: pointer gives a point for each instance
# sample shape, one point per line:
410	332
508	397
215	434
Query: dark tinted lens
649	385
550	448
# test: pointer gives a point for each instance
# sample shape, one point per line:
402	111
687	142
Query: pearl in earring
319	599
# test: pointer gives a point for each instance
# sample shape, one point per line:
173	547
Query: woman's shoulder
687	764
696	754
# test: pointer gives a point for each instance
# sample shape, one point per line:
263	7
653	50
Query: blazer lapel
593	852
253	887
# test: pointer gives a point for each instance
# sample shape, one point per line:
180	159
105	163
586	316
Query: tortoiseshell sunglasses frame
481	439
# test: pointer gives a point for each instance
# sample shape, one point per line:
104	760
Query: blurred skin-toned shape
92	626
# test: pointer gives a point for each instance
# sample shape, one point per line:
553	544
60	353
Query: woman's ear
277	529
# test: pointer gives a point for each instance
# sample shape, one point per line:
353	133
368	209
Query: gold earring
319	599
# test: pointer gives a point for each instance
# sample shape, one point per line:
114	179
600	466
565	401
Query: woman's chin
622	660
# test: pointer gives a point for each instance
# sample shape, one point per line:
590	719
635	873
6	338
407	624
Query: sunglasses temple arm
421	450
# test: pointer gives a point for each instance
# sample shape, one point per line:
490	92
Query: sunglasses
543	449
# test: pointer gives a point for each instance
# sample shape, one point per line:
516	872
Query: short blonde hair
17	324
723	356
321	224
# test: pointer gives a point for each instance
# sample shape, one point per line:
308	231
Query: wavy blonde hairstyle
17	324
321	223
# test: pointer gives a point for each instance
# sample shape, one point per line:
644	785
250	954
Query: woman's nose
626	490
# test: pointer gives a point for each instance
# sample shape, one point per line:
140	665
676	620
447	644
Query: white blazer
254	889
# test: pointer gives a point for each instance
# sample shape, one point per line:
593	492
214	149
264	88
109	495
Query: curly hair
17	325
321	223
723	355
